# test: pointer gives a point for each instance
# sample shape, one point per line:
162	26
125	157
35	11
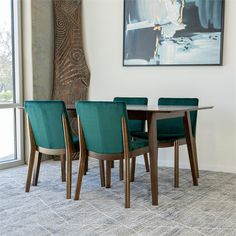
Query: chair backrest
175	125
102	127
134	125
46	121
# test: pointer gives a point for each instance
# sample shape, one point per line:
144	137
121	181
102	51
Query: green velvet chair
135	126
104	135
170	132
49	133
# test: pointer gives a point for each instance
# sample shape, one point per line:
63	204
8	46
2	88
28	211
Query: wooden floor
209	209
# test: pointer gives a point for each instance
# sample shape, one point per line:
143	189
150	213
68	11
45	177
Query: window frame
17	87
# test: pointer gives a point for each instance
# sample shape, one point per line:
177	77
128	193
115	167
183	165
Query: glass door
10	84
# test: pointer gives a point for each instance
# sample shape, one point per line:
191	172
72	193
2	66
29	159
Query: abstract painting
173	32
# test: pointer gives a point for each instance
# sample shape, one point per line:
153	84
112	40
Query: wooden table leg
152	137
189	140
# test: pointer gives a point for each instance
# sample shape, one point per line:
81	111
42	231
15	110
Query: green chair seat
138	143
133	133
161	137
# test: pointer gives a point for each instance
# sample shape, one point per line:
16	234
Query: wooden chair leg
37	163
30	169
145	156
87	163
176	168
80	176
127	183
196	158
63	168
108	174
68	175
133	164
121	169
102	174
86	166
112	164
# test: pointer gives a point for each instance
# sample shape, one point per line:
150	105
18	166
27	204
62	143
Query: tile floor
209	209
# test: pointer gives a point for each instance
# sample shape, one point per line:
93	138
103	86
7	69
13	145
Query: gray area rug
209	209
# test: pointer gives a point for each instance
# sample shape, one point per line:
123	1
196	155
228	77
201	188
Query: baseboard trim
11	164
202	167
185	165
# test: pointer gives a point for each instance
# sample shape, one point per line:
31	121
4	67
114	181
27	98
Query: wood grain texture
31	157
176	163
37	162
127	162
71	73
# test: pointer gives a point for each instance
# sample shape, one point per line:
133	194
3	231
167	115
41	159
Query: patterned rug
209	209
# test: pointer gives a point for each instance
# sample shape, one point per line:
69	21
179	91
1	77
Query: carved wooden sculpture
71	73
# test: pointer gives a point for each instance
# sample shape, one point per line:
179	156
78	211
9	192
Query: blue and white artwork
173	32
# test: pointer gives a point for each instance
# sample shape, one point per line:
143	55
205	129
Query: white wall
216	132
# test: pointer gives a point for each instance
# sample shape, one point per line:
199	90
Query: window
10	84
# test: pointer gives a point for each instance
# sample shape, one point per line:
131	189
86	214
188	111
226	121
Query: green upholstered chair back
175	125
46	121
101	124
134	125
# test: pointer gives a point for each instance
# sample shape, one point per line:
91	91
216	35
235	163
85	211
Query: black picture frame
140	40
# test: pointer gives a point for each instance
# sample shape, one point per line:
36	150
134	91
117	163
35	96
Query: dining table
153	113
